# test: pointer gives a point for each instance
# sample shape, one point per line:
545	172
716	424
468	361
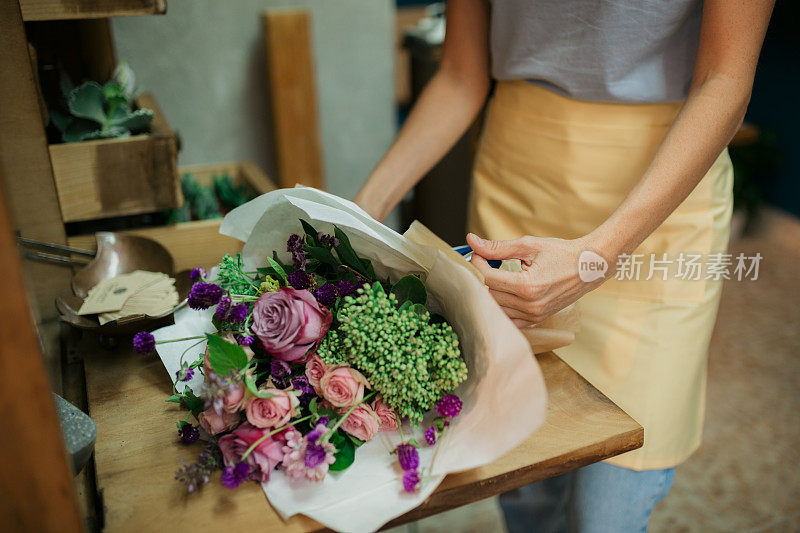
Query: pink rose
232	402
362	423
343	386
213	422
315	369
386	414
272	412
264	457
289	322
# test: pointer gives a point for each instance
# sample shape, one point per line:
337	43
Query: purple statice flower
197	273
188	433
430	435
301	383
300	260
315	454
346	287
216	388
244	340
410	480
327	240
294	243
303	458
144	343
199	472
326	295
449	406
184	374
233	476
279	369
238	313
407	456
299	280
203	295
224	305
323	420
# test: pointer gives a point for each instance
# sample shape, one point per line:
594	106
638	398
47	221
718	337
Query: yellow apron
551	166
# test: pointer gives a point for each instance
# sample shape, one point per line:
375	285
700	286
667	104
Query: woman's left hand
549	280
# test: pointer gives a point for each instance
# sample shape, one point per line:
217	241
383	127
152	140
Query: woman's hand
549	279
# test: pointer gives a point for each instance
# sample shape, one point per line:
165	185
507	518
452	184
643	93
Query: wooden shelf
33	10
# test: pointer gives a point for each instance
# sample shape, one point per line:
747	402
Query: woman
605	135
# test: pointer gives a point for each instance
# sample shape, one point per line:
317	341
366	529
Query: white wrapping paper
504	396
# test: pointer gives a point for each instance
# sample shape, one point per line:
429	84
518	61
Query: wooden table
137	452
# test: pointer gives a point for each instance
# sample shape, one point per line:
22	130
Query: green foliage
201	201
231	276
410	289
101	111
345	451
229	195
407	358
225	357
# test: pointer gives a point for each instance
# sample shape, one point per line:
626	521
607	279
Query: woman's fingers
501	280
513	249
521	323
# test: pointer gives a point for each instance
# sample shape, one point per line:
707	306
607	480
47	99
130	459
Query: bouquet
310	360
346	367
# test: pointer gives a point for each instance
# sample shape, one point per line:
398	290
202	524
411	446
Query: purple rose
289	322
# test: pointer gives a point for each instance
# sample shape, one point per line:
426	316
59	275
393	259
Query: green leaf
420	310
323	255
345	452
347	254
225	356
410	288
79	129
193	403
356	441
175	398
250	383
137	121
312	406
87	101
310	232
278	269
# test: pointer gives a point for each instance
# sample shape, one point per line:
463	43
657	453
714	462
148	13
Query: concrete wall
204	60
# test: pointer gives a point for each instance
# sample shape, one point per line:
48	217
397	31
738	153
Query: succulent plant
101	111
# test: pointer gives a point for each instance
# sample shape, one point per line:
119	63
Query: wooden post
293	100
35	479
28	178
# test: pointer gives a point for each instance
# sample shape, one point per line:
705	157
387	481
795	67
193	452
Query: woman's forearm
445	109
708	120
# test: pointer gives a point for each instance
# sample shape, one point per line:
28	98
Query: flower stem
339	422
271	433
180	340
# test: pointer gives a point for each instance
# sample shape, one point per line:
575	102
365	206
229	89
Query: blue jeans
598	498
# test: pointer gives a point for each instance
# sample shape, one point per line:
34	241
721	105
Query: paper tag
110	294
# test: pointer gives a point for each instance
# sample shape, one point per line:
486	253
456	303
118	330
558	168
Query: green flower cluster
405	357
232	277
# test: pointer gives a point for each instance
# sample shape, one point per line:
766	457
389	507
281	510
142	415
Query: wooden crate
197	243
115	177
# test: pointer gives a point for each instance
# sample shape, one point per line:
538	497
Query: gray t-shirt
598	50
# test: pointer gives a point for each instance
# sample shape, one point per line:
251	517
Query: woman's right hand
371	206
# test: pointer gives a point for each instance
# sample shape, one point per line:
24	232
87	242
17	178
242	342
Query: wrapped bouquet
341	365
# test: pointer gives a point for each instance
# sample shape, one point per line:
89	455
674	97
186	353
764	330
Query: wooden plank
138	451
89	9
35	479
197	243
293	100
115	177
28	178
